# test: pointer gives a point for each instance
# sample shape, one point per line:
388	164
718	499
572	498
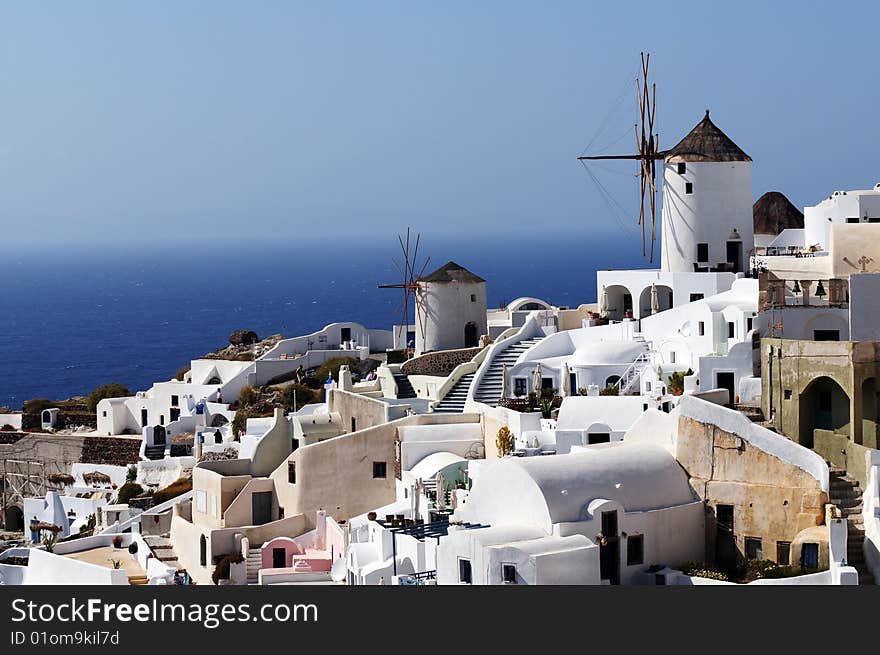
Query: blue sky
147	122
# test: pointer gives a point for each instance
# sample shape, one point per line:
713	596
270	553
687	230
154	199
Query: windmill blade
424	266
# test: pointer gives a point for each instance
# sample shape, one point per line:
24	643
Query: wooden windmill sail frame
647	153
412	290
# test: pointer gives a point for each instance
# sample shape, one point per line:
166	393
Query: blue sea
75	318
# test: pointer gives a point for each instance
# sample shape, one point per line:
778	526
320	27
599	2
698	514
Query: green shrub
173	490
303	396
676	382
239	422
128	491
110	390
702	570
610	390
582	391
7	428
221	571
330	368
131	474
248	395
37	405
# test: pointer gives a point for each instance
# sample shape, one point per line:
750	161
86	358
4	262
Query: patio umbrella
566	380
417	498
505	382
603	302
441	494
537	377
655	301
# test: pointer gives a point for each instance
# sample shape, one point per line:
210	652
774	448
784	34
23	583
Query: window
783	553
464	571
753	548
749	322
696	296
702	252
354	424
826	335
161	419
104	413
731	330
519	386
598	437
294	444
508	573
682	168
787	394
473	297
688	187
701	328
379	469
852	219
635	549
724	517
291	472
175	401
672	357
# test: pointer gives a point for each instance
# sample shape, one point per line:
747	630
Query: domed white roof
607	352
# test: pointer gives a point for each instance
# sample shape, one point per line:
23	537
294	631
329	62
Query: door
609	552
174	414
279	558
159	436
734	255
471	338
725	380
344	335
144	418
261	506
573	383
725	541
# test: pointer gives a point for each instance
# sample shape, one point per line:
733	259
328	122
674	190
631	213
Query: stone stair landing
846	494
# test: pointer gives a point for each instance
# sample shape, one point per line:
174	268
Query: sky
152	123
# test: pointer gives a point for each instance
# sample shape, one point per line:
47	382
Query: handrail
633	372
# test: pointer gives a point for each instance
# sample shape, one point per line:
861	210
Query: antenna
647	153
412	292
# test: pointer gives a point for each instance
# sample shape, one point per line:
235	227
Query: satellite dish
339	570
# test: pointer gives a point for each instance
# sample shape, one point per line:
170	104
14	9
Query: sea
74	318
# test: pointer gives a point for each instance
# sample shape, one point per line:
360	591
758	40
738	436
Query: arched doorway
664	299
203	551
869	413
218	421
611	380
618	301
823	405
471	338
14	518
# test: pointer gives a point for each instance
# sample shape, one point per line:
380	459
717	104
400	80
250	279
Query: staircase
404	388
633	375
453	401
163	550
154	452
254	564
489	391
847	495
138	580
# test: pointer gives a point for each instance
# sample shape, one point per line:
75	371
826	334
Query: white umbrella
655	301
417	493
566	380
537	378
505	381
603	302
441	493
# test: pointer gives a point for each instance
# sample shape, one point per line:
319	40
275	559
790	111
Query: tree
110	390
239	423
131	474
504	442
295	396
248	395
128	491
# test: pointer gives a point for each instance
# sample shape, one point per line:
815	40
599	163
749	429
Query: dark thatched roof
773	212
451	272
706	143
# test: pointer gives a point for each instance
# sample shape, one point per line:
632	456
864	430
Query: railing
633	373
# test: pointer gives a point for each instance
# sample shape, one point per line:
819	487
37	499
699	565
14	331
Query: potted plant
117	541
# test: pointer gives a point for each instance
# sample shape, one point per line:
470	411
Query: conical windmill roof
451	272
773	212
706	143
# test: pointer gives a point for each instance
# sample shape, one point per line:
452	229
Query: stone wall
772	499
118	451
439	363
